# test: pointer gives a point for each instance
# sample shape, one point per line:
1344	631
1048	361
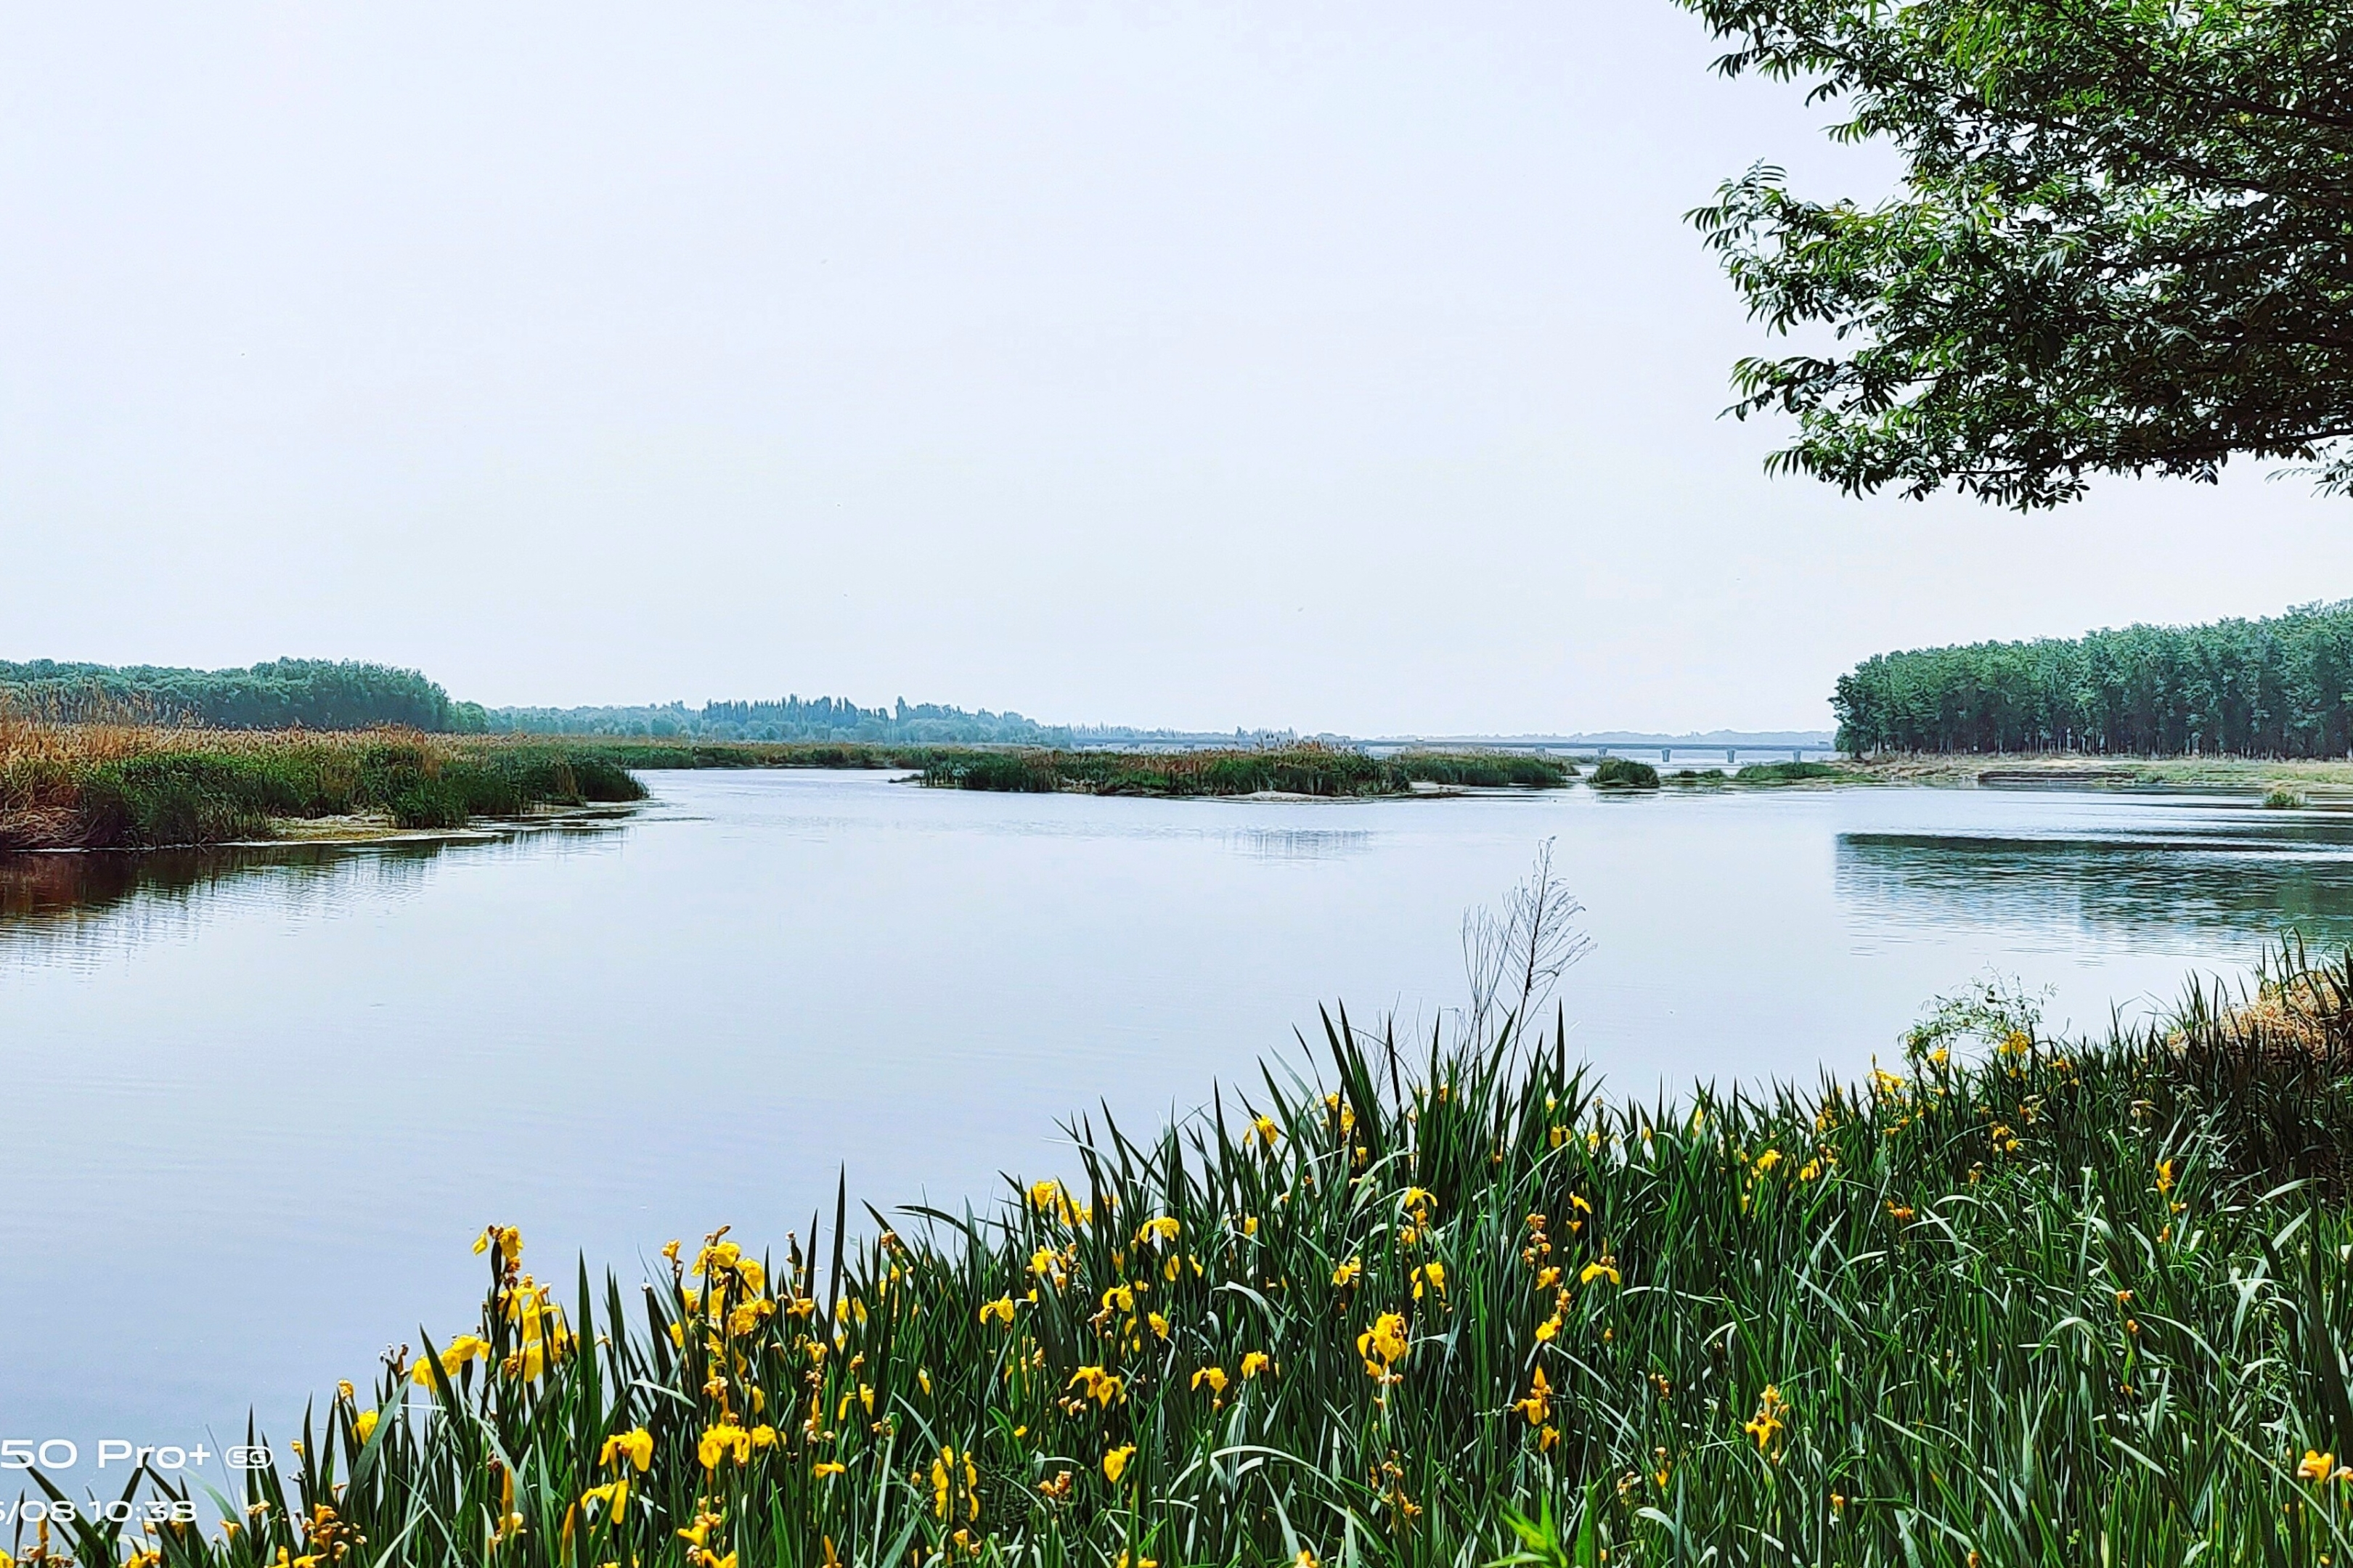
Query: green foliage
789	720
801	721
2280	797
2122	244
1484	769
1785	772
146	801
178	798
2279	687
316	694
2020	1301
428	803
1624	773
1299	770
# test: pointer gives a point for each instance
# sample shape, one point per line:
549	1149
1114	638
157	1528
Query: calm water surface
253	1108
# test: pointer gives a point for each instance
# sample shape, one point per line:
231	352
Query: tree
2125	242
2279	687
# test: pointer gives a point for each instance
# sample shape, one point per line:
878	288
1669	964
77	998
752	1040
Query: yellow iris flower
462	1350
634	1447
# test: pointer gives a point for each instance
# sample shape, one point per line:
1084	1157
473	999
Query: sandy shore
2254	773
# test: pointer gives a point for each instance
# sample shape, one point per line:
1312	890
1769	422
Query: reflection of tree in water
1301	843
45	899
2176	885
53	896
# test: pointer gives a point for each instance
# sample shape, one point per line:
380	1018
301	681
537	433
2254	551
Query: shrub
1624	773
1785	773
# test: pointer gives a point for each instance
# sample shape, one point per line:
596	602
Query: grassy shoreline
127	787
2053	770
66	786
2233	774
2018	1301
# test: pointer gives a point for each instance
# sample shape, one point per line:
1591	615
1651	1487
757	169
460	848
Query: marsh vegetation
1322	770
103	786
1624	773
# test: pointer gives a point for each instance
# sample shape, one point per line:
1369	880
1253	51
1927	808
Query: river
258	1103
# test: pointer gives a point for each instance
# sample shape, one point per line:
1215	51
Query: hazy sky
1340	366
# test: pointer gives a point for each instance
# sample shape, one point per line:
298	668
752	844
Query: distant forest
317	694
839	719
325	694
790	718
2278	686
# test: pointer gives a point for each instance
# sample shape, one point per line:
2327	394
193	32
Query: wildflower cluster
1411	1299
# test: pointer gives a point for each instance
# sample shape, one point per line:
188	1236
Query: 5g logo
247	1459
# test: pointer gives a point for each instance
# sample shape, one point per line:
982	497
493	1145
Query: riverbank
97	787
65	787
2255	776
2250	773
2017	1299
133	787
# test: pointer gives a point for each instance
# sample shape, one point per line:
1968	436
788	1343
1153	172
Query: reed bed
1624	773
135	786
2009	1301
1796	772
1325	771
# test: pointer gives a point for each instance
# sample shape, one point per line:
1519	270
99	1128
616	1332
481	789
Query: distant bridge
1732	754
1570	746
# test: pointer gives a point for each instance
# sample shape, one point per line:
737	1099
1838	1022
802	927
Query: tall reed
136	786
1326	771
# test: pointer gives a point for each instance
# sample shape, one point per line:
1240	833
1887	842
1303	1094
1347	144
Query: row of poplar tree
2278	686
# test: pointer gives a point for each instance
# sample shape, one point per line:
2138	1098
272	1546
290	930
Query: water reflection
69	905
2181	879
1300	844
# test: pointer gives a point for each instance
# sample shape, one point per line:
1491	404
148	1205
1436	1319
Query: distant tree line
790	718
316	694
836	719
2277	687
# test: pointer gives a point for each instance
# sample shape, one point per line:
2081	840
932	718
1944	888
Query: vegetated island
2019	1299
1324	771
